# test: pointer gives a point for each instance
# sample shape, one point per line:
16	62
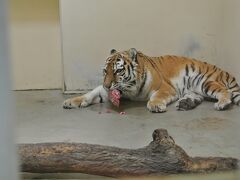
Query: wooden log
161	157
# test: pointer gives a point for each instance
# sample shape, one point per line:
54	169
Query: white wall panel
90	28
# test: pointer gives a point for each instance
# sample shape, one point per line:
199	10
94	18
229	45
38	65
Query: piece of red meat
114	96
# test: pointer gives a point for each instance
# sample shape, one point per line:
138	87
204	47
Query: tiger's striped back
188	74
165	79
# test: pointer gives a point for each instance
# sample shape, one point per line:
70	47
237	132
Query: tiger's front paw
77	102
156	107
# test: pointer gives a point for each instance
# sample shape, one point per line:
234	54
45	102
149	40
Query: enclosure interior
61	46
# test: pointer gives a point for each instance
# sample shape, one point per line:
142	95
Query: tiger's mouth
114	88
120	91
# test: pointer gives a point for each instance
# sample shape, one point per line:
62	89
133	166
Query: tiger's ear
133	54
113	51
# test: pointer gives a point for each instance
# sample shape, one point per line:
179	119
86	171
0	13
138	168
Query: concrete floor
201	132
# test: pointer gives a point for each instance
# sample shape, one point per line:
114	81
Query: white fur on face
118	65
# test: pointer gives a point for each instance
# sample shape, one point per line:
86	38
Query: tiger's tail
235	90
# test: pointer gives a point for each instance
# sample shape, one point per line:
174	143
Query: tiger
160	81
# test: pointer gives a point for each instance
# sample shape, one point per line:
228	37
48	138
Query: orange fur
203	78
161	81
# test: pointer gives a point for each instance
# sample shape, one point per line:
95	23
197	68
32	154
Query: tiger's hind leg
189	101
236	97
218	91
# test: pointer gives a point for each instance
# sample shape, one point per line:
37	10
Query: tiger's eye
118	70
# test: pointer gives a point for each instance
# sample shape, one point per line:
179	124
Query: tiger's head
121	72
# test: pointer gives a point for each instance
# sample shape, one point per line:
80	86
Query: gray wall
229	55
90	28
208	30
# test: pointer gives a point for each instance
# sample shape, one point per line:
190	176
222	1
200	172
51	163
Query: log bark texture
161	157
